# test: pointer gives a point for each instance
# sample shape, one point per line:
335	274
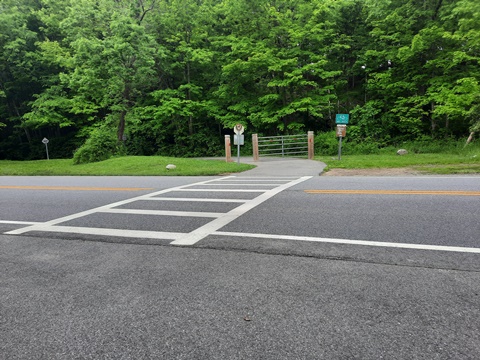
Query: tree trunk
123	113
470	138
189	97
121	126
433	124
27	133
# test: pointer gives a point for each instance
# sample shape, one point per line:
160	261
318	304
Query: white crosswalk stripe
261	189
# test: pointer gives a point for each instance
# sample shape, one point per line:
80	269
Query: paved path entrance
283	167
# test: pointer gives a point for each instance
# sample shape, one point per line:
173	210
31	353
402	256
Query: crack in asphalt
200	246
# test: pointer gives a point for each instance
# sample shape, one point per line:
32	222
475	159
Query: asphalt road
269	268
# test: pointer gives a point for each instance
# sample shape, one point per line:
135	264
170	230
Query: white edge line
19	222
352	242
259	180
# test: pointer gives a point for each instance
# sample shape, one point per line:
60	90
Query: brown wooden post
311	149
255	146
228	149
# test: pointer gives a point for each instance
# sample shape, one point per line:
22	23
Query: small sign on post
45	141
238	129
341	132
238	139
342	119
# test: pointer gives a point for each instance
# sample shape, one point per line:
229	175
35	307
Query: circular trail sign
238	129
45	141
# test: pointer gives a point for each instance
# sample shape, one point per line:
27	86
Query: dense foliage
170	77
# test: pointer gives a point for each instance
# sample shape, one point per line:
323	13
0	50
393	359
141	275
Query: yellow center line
71	188
395	192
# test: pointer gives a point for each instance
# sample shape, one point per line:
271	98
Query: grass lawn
466	163
429	163
123	166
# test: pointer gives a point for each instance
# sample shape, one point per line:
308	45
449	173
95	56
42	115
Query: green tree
106	60
430	71
174	76
180	112
278	77
20	75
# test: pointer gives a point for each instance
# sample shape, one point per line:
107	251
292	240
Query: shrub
426	145
364	148
326	144
101	145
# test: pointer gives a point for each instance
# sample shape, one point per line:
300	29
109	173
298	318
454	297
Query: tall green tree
20	74
173	76
278	78
107	60
418	70
180	111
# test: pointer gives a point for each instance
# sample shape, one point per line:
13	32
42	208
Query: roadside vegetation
425	157
125	166
107	78
446	157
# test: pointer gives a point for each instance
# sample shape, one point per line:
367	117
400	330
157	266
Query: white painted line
19	222
112	232
238	184
207	229
351	242
428	177
94	210
221	190
288	178
197	200
256	180
161	213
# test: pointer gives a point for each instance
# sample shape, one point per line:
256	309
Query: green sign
341	118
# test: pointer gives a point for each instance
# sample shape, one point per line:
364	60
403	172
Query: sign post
238	139
341	120
341	132
228	149
45	141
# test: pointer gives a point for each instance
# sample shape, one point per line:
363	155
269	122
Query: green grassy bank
123	166
426	163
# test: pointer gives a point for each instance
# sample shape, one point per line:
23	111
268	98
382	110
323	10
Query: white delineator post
228	149
255	146
311	149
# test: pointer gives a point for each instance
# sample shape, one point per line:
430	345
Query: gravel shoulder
373	172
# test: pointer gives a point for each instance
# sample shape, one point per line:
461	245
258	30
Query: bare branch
145	10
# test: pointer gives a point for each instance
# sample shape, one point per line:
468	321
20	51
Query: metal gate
283	146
